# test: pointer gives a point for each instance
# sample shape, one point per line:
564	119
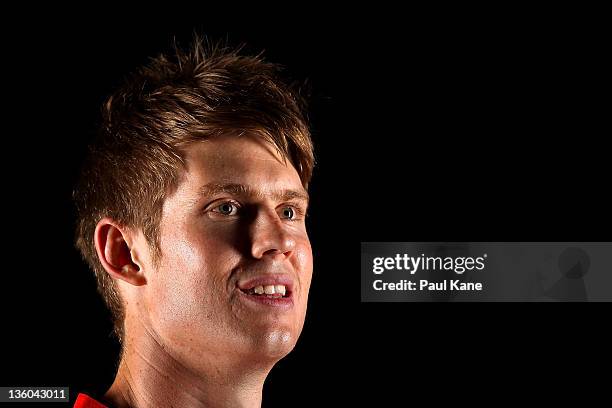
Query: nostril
272	252
271	239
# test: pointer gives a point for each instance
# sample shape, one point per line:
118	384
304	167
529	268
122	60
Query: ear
113	246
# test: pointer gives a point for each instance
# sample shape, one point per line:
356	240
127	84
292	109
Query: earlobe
114	253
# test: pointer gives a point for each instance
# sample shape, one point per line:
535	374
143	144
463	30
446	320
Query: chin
276	343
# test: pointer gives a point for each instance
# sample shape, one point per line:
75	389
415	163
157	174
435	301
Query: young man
191	210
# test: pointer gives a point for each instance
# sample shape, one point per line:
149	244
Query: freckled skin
192	338
190	301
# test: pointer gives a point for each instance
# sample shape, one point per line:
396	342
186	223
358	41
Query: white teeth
269	290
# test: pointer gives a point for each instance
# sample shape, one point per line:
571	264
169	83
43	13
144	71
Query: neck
149	376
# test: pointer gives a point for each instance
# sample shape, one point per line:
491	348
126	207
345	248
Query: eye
227	208
288	213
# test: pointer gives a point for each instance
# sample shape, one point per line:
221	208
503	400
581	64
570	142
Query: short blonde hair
136	159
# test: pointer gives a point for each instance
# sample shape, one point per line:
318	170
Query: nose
269	236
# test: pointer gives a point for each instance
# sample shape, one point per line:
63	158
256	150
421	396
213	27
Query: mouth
268	290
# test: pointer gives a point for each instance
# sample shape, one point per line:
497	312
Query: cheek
196	253
191	279
303	264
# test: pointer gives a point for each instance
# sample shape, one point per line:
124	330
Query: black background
429	126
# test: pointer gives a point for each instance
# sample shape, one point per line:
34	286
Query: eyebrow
213	189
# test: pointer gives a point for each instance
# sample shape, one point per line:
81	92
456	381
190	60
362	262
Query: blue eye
226	208
288	213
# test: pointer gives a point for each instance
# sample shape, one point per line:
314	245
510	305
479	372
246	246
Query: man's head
193	198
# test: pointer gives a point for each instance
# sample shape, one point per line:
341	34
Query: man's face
235	226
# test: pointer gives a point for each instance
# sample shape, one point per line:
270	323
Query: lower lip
278	302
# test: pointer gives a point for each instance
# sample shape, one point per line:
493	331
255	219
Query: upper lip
266	280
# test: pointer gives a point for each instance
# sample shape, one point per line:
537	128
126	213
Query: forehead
247	160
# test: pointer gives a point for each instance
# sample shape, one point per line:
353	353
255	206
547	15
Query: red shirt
85	401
